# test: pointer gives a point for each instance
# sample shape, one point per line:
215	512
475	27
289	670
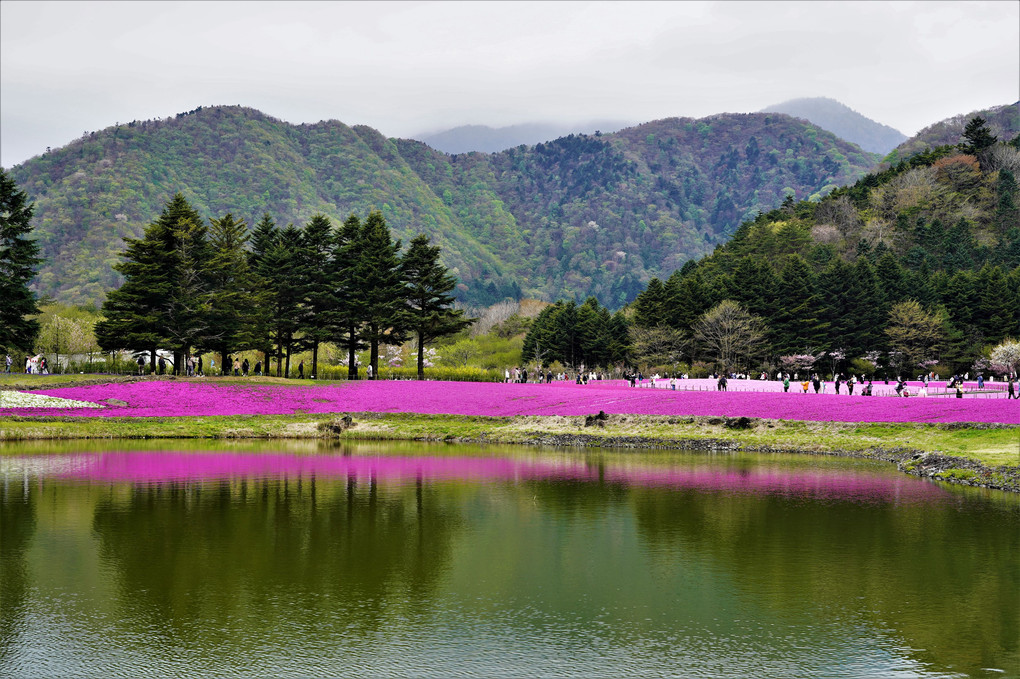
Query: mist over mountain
485	139
842	121
581	215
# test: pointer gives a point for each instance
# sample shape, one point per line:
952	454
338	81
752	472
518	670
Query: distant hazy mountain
842	121
467	138
1003	121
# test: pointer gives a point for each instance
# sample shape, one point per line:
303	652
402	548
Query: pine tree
138	316
429	312
317	269
18	259
187	310
233	295
286	291
379	284
976	136
265	236
650	306
795	326
347	318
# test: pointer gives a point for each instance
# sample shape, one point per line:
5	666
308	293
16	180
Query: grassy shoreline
976	455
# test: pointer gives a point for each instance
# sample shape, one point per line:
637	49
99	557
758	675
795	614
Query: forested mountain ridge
579	216
1002	121
935	239
842	121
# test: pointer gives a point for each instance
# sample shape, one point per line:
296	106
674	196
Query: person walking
786	384
1011	389
7	364
301	371
244	367
141	365
237	367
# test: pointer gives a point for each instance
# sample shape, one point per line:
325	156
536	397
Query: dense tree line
192	287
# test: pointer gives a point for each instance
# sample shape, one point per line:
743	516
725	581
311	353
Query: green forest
910	269
585	215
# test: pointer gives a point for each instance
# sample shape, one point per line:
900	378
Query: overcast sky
410	68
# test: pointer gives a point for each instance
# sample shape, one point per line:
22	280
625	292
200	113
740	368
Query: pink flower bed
183	398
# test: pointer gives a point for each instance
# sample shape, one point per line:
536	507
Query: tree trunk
224	357
421	357
373	359
286	373
315	359
352	355
152	358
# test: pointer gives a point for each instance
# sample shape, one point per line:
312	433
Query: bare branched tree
729	335
657	346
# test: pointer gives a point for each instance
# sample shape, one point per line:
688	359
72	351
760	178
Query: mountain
1002	121
941	229
580	215
485	139
842	121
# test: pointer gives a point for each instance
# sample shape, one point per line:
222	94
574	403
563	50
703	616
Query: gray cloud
406	68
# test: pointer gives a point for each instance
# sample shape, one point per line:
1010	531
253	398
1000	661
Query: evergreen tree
1007	212
137	316
796	326
317	269
265	236
348	317
187	309
379	284
976	136
429	312
650	305
233	296
18	259
287	290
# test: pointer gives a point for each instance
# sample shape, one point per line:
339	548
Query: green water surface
414	560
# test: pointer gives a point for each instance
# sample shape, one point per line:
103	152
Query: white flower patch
17	399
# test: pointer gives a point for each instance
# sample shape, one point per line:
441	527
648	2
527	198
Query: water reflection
169	466
368	561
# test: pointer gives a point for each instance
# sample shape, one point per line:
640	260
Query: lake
361	560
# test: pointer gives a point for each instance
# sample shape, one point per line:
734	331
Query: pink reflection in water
160	467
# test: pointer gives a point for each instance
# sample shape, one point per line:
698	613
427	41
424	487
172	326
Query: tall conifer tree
137	315
233	296
429	313
380	285
316	267
18	259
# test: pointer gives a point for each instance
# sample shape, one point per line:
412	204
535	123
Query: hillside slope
1002	121
578	216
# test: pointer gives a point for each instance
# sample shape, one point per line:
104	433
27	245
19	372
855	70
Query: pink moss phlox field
162	467
181	398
